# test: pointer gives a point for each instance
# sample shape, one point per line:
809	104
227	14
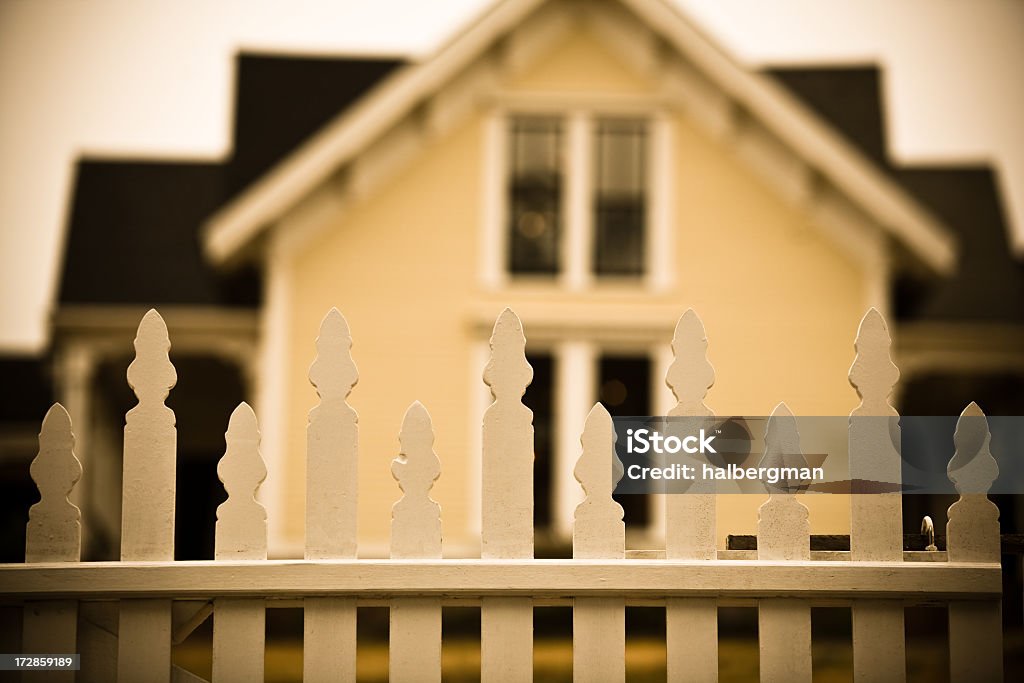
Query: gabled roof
237	224
133	232
988	284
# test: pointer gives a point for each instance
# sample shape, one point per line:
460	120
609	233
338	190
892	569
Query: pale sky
122	78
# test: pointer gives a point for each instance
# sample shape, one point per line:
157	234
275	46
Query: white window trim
576	244
577	217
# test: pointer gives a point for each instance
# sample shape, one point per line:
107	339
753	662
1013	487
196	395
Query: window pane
624	387
619	197
535	190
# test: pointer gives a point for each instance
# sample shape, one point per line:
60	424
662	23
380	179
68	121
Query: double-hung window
619	197
588	175
535	195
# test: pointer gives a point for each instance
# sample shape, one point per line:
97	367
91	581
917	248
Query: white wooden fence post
147	508
332	455
598	624
876	518
691	624
972	535
53	534
783	533
239	624
506	624
415	645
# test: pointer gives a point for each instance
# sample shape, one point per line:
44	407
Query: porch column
75	370
575	393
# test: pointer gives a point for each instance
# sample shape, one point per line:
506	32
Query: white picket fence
123	617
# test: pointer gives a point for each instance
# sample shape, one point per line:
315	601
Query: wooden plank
783	531
506	639
507	511
506	623
691	626
50	627
239	625
144	641
879	641
329	639
332	450
691	528
150	449
975	628
876	519
414	652
598	624
147	507
332	456
414	649
784	638
370	579
599	639
53	534
691	634
99	652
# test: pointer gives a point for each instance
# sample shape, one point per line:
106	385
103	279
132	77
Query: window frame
576	270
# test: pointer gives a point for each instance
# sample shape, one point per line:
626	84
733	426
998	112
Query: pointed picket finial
507	467
151	375
873	374
332	446
333	371
54	530
783	522
782	447
598	531
150	449
972	533
508	373
241	519
691	374
972	469
416	518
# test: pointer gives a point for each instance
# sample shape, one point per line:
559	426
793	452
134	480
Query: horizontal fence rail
914	582
124	617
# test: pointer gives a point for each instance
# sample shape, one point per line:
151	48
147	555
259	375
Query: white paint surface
121	79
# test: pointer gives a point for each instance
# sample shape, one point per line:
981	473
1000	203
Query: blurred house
599	167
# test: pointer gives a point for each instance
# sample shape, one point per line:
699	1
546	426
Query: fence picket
972	535
876	519
239	625
691	624
332	455
598	624
53	534
506	624
783	533
415	646
147	508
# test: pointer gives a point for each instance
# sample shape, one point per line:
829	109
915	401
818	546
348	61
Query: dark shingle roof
133	235
989	282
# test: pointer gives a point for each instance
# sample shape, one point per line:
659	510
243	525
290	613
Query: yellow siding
781	304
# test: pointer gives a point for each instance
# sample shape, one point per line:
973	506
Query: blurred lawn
645	660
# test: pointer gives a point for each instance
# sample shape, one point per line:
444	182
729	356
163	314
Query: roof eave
227	233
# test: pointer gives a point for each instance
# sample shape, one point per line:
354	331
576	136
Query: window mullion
578	243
